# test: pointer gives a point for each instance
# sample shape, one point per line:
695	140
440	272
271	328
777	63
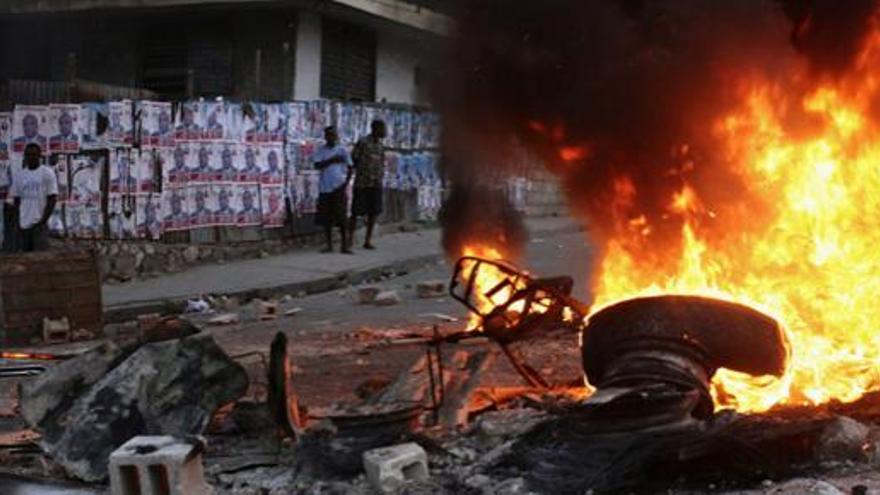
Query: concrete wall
398	59
307	78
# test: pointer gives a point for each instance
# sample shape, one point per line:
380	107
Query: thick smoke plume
620	98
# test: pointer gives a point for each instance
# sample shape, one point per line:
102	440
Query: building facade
361	50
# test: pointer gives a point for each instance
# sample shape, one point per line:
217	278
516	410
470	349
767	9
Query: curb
129	311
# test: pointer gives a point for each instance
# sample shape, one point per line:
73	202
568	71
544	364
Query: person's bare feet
369	246
346	251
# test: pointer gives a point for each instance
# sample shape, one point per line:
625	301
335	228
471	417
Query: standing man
369	166
334	163
34	191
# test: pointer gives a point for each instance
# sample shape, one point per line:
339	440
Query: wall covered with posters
141	170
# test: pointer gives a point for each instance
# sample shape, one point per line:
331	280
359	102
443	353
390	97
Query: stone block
158	465
389	468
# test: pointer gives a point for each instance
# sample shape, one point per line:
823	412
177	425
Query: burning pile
725	151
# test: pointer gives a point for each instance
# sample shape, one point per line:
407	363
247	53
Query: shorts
331	208
35	238
367	201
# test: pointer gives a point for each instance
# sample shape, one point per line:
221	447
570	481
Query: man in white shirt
334	162
34	191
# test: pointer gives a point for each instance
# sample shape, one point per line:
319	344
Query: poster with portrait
199	163
297	121
157	129
318	117
62	176
306	187
120	123
174	163
249	167
234	122
201	211
144	163
275	128
174	209
121	215
148	216
122	177
85	178
226	154
271	163
56	221
253	121
5	136
89	115
83	220
190	122
225	212
64	128
247	205
30	124
272	205
215	120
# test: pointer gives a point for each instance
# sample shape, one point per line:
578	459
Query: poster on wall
5	135
144	164
83	220
64	128
85	178
120	125
305	195
272	163
215	120
275	127
122	177
62	176
250	166
174	167
148	218
225	212
30	124
247	205
121	215
201	205
174	209
272	205
157	130
200	161
190	122
225	155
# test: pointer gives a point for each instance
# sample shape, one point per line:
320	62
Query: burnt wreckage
651	360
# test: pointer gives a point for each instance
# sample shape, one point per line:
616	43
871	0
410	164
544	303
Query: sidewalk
303	271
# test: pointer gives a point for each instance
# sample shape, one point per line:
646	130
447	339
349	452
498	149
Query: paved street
301	271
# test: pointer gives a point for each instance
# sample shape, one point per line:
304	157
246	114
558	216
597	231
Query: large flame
810	257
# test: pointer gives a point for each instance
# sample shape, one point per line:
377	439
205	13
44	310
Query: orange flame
813	265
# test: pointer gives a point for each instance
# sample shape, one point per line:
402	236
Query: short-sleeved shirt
33	187
369	163
332	176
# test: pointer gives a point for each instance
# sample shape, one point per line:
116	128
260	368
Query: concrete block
267	310
389	468
366	294
158	465
56	331
431	288
387	298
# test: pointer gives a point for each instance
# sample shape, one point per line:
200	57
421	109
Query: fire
487	278
809	258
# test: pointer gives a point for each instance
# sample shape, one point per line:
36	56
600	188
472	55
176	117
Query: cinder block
389	468
366	294
431	288
160	465
56	331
